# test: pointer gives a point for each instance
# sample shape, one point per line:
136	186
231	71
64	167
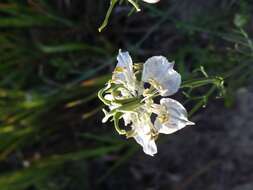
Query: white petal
126	64
123	73
158	68
142	126
177	117
148	145
125	60
151	1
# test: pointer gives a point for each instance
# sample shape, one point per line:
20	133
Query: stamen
119	69
163	118
155	84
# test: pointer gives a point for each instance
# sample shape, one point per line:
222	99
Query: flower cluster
131	94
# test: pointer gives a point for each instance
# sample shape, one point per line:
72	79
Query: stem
201	82
136	6
201	102
116	118
101	97
107	16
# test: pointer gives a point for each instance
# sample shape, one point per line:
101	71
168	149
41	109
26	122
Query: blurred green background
53	61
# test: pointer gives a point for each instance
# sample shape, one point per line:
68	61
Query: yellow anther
163	118
153	134
119	69
146	92
155	84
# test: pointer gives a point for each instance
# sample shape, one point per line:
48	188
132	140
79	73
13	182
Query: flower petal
123	73
151	1
142	126
124	68
177	117
159	70
125	60
148	145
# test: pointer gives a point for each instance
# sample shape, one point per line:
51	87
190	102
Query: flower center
155	84
163	118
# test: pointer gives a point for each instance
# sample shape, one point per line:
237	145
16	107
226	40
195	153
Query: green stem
202	82
107	16
136	6
116	118
101	97
202	101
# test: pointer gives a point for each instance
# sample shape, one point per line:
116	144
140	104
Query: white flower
126	98
172	116
161	75
151	1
